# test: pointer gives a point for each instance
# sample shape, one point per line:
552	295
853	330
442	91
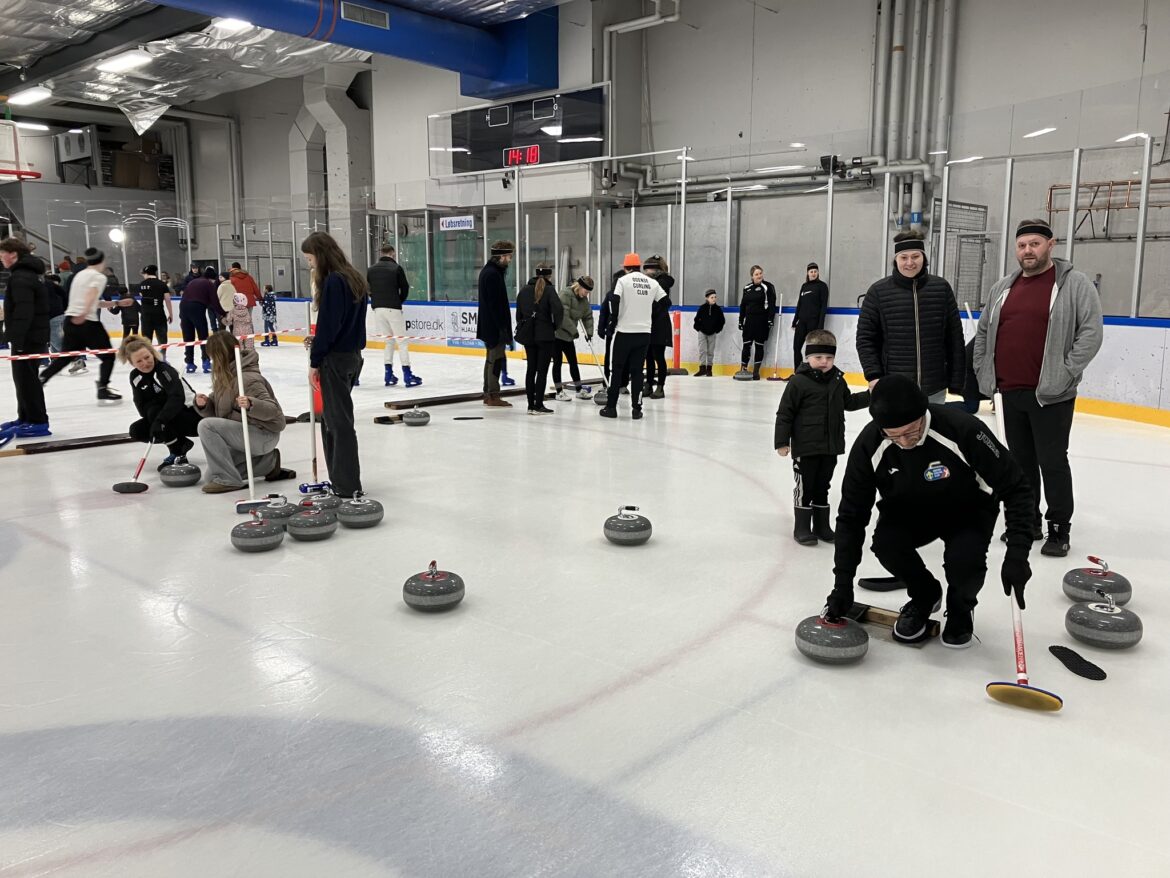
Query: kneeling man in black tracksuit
941	475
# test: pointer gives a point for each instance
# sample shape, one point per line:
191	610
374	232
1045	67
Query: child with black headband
810	425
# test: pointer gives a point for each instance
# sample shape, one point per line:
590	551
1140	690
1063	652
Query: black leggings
154	327
185	424
539	356
746	356
799	331
89	336
568	350
656	364
193	318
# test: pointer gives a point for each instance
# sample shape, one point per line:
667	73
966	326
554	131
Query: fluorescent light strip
970	158
32	126
939	152
581	140
1039	133
125	61
553	130
33	95
796	145
778	169
1130	137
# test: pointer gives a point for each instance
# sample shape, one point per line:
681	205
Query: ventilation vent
364	15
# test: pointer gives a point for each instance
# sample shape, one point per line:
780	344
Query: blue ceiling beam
504	60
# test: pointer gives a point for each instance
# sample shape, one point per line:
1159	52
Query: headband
1035	229
583	282
544	272
502	249
910	244
811	349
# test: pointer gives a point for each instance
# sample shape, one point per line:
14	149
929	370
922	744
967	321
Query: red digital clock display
521	155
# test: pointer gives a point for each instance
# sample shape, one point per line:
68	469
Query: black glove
838	603
158	431
769	324
741	326
1015	574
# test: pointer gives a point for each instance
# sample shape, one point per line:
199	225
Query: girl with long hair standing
335	357
538	314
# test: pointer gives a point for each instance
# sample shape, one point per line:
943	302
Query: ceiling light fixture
938	152
33	95
231	25
553	130
125	61
796	145
75	131
1039	133
117	236
778	169
581	140
968	159
32	126
1130	137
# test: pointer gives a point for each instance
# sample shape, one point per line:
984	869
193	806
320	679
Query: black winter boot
821	526
756	372
802	533
1057	544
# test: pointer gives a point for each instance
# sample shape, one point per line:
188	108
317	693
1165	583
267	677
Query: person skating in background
268	312
124	305
636	298
246	284
940	475
225	294
160	397
810	424
58	300
221	428
661	330
709	322
193	272
26	320
238	322
198	312
909	325
577	310
165	277
494	323
538	314
157	313
812	306
1038	334
757	313
389	289
83	328
340	294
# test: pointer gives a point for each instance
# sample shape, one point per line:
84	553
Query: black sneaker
1057	545
607	413
912	622
958	630
636	414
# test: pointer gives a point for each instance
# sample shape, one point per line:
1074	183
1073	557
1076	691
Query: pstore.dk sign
456	223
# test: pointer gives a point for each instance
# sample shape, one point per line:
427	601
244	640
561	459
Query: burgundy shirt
1022	331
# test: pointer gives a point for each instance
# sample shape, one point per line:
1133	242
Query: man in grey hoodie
1040	329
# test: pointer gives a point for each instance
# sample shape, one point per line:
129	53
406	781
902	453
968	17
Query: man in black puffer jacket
909	325
26	315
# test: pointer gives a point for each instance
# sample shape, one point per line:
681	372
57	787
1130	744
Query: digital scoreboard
523	133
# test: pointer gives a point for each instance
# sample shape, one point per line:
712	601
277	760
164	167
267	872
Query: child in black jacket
161	400
810	423
709	322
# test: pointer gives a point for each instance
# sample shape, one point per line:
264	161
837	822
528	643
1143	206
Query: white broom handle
244	420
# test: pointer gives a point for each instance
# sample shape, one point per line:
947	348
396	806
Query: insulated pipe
296	269
669	230
897	76
559	270
727	242
913	74
157	243
916	198
922	145
885	226
1074	195
881	76
600	268
1009	167
609	50
527	251
244	234
397	255
941	126
941	262
1139	259
219	247
633	227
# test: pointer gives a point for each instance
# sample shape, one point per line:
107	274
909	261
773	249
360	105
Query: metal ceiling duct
33	28
481	12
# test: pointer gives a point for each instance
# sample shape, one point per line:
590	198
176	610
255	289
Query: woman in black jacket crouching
161	399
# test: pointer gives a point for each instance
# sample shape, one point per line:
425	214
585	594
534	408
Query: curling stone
180	475
627	528
1103	624
433	590
832	643
1083	583
742	375
279	510
601	397
310	525
360	512
257	534
416	417
320	501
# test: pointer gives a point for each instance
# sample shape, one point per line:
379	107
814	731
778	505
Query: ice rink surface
174	707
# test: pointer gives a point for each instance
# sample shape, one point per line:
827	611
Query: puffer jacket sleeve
955	347
869	336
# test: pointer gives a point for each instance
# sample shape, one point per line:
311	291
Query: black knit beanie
94	256
896	401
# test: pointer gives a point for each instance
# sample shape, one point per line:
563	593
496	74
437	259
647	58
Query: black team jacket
956	472
158	395
811	416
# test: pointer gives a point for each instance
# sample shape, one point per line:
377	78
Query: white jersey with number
637	294
80	290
